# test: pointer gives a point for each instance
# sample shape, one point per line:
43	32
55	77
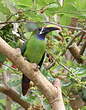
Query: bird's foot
18	51
35	67
25	58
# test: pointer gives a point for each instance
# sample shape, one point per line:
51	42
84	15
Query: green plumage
35	49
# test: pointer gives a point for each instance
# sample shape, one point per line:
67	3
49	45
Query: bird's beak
56	27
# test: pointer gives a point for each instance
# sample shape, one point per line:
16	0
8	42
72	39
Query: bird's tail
25	84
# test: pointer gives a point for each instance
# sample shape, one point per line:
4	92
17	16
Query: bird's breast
35	49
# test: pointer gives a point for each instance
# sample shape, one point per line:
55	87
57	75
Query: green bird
34	50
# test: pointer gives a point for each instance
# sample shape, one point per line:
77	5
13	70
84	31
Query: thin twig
77	35
50	66
72	40
14	96
81	38
73	75
26	21
83	48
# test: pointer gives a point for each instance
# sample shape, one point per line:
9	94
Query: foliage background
66	13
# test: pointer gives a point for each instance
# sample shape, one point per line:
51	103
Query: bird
34	50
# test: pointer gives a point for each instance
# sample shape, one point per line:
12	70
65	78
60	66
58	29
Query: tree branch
83	48
75	101
75	51
27	21
14	96
51	92
72	40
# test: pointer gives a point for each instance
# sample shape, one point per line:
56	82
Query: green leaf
83	57
42	3
26	3
2	58
80	5
4	9
2	17
10	5
52	9
73	8
65	20
33	16
81	72
31	26
83	108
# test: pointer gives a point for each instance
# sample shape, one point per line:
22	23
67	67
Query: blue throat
41	36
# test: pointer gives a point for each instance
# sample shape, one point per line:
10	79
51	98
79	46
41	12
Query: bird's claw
18	50
24	58
35	67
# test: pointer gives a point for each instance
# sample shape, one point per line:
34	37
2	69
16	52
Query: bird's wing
40	63
23	48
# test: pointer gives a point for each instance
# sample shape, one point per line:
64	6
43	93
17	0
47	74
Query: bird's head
45	30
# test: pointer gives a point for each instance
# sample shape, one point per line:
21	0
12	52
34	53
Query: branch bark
75	51
83	48
8	103
52	93
14	96
76	101
71	42
8	100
